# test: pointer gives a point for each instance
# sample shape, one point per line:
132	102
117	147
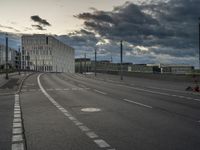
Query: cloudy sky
154	31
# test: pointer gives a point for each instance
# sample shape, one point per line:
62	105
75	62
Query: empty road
62	111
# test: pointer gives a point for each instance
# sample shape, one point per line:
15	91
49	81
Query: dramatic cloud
10	28
38	27
41	21
167	28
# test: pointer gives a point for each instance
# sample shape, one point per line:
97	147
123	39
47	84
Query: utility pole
199	43
121	55
6	56
19	61
28	61
95	62
43	66
36	64
85	63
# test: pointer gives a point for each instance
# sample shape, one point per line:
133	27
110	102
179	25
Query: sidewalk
2	80
10	85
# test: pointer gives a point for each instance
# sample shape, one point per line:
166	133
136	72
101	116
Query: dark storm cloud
39	20
170	26
38	27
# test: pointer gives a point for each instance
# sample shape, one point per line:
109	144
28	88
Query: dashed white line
100	142
91	135
17	131
17	138
17	125
84	128
18	146
137	103
100	92
160	93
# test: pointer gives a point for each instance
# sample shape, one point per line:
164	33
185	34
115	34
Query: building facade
12	57
45	53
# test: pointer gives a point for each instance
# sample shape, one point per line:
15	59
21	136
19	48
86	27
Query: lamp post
199	43
85	63
6	65
19	61
95	62
121	56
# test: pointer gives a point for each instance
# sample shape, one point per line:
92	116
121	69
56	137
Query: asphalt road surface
76	112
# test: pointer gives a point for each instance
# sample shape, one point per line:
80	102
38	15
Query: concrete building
12	57
46	53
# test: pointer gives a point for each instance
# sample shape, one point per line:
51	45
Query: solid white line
100	92
137	103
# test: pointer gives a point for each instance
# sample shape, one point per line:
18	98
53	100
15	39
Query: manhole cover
90	109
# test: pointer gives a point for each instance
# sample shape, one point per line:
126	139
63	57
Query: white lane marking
101	143
84	128
17	120
137	103
58	89
24	90
32	90
17	130
18	146
173	90
160	93
17	115
100	92
17	138
17	125
91	135
77	123
17	112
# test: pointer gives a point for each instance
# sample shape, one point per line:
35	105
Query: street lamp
6	65
199	43
95	62
121	56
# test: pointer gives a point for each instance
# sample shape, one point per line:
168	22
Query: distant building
45	53
176	69
12	57
83	65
